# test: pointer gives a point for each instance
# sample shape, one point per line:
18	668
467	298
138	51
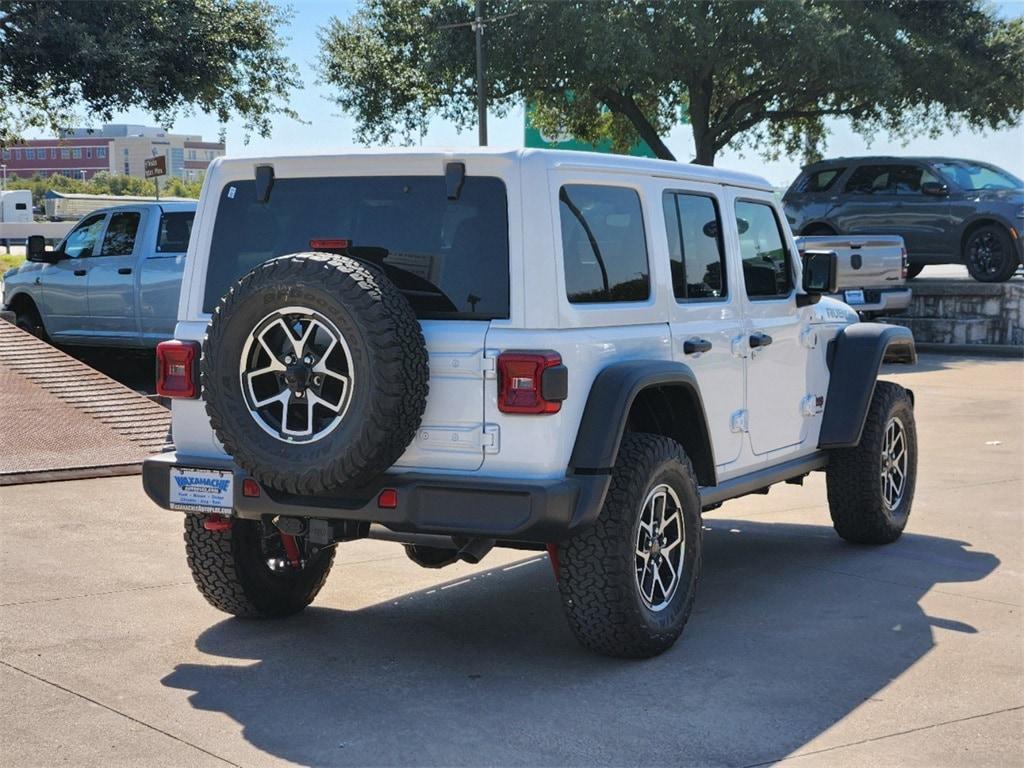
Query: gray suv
947	210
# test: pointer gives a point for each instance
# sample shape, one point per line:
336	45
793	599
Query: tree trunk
625	106
700	119
705	149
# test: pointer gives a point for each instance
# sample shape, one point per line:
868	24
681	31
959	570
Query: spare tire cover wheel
314	373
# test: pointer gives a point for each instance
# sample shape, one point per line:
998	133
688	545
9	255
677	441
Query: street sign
155	166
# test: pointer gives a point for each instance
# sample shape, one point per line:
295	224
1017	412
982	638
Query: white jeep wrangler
467	349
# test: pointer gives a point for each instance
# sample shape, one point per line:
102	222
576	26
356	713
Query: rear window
175	229
448	257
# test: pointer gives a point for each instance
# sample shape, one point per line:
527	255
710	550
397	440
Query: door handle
124	271
758	340
79	273
695	346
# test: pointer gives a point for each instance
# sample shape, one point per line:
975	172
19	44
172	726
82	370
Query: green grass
9	260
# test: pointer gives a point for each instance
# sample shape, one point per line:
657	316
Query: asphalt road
801	648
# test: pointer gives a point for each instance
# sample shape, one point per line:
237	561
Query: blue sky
329	130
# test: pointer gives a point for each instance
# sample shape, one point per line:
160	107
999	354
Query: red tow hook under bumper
553	557
291	549
217	523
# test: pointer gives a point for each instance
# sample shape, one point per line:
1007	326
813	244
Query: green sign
533	137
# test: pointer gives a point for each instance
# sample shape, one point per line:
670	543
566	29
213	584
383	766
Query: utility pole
481	83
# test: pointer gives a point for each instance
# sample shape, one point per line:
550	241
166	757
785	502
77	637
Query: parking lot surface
801	648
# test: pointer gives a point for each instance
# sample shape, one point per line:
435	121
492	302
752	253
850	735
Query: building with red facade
114	148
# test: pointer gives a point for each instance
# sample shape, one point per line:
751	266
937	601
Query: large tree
64	61
764	75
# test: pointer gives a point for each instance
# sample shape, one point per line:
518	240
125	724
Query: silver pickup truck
113	281
876	264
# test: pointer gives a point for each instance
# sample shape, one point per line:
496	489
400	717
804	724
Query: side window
603	244
907	179
767	271
694	229
120	237
82	242
175	229
869	179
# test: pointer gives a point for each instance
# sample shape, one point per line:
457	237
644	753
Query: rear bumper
882	301
535	511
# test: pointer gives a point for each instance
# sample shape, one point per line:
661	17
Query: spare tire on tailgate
314	372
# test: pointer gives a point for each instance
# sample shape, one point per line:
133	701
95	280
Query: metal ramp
61	419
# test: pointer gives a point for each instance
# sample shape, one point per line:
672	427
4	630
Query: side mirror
820	275
36	250
934	188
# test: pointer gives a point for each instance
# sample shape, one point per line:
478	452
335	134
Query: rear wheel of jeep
628	582
249	569
871	486
314	373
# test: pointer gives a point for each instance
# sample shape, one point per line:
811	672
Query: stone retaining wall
965	312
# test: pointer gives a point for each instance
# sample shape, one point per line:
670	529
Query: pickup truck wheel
628	582
989	254
314	372
245	570
871	486
27	318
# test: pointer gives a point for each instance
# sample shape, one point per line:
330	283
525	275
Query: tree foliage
763	75
64	60
104	184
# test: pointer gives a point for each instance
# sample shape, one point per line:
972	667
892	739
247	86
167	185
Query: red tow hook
217	523
291	549
553	557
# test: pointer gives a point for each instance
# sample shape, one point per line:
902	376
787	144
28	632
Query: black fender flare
609	402
855	357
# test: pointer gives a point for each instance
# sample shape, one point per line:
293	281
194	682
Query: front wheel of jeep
871	486
628	582
250	569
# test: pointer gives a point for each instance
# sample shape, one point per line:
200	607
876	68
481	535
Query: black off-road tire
388	354
231	572
1003	262
855	496
597	567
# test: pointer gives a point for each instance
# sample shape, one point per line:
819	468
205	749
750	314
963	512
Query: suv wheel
245	569
871	486
989	254
628	582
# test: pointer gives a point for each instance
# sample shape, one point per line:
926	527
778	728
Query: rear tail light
904	269
531	382
177	368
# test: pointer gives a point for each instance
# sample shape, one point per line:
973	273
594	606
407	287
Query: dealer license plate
201	490
855	297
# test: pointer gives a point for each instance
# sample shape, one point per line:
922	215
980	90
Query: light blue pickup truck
113	281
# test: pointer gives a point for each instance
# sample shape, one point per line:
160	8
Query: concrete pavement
801	648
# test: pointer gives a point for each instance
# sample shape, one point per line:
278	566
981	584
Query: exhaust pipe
475	550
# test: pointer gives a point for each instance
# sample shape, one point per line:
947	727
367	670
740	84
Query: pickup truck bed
874	263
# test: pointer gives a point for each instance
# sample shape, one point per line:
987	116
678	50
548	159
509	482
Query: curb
979	350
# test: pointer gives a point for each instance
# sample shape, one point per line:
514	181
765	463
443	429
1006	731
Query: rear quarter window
819	181
604	247
448	257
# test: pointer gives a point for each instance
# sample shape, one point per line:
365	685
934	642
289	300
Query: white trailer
16	206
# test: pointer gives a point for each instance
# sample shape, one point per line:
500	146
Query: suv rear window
448	257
